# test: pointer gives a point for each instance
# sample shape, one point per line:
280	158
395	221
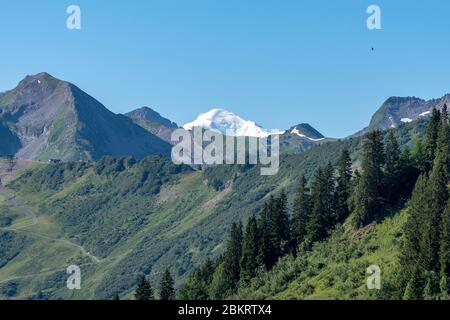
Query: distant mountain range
46	118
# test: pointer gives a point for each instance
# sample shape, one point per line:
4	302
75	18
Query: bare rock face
397	110
46	118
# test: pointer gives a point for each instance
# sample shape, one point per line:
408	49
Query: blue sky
276	62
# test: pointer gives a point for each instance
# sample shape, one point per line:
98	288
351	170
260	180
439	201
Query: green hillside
335	269
348	225
119	218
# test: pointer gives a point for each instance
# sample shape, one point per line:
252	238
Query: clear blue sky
278	62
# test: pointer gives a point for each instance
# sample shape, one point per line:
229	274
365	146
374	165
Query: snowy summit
228	123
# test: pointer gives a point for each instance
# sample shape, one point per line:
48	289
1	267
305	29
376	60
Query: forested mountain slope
119	218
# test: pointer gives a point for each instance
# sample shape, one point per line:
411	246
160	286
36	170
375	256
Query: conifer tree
267	251
444	255
369	192
431	137
232	257
315	221
329	192
323	204
144	290
281	226
431	290
197	285
444	114
194	289
250	250
443	143
414	289
392	169
300	214
344	185
166	289
411	253
220	288
437	195
418	155
444	288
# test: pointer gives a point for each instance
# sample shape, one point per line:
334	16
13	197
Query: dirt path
12	201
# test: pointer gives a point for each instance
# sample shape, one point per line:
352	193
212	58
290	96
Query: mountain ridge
47	118
153	122
398	110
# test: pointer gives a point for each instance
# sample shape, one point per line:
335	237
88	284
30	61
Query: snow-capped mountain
228	123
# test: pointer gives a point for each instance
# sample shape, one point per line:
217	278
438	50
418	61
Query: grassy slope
336	268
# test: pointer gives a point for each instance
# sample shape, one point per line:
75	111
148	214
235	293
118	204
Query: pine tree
411	250
314	226
392	169
444	254
414	289
369	192
323	204
300	214
436	204
219	288
267	251
343	188
206	271
443	143
444	286
431	290
274	228
418	155
408	176
250	250
144	290
281	226
166	289
444	114
329	191
197	285
431	137
232	257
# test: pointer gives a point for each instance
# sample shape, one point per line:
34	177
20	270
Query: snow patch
423	114
406	120
297	132
226	122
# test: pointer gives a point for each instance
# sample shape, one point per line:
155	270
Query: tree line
144	290
425	256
